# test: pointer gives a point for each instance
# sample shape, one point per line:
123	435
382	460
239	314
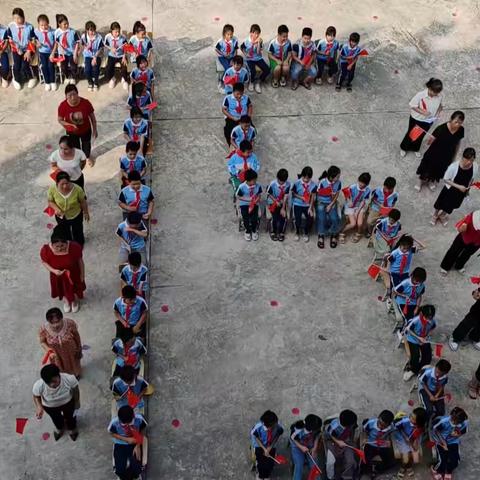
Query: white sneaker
4	83
318	81
32	82
95	88
71	81
53	87
306	238
247	236
403	153
255	236
443	272
47	87
124	84
66	307
452	344
112	83
408	375
330	80
75	307
258	87
296	238
418	154
461	270
16	85
432	187
251	87
476	346
389	305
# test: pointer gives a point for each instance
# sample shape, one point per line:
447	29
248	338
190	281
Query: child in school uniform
114	43
280	54
4	60
141	42
235	106
45	40
407	439
347	61
408	293
127	430
356	196
447	432
237	73
248	195
128	349
132	233
136	197
92	46
242	160
277	201
327	49
132	161
141	98
21	37
252	48
303	61
304	443
128	388
67	46
142	73
303	197
383	199
264	437
417	335
386	232
226	48
135	273
243	131
130	312
431	388
328	220
135	128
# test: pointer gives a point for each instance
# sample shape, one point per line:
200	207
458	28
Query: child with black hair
92	45
431	387
248	195
383	200
264	436
234	107
279	55
347	61
45	40
447	432
135	128
328	220
114	43
277	202
135	273
243	131
303	197
327	49
132	232
386	232
130	312
304	443
141	43
4	60
237	73
142	73
226	48
67	46
339	436
408	293
132	161
128	388
242	160
252	48
140	98
303	61
356	196
136	197
128	350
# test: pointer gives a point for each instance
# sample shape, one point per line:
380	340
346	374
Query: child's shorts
274	64
296	69
400	444
352	210
124	252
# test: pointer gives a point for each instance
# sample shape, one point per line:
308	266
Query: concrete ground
222	354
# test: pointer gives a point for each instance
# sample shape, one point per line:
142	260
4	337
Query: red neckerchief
245	133
134	133
280	51
424	323
403	262
65	40
143	77
135	278
410	299
308	54
128	311
132	398
278	200
131	357
385	198
253	199
139	46
46	39
20	30
131	165
90	43
136	202
423	104
358	197
306	192
114	40
269	436
239	108
228	48
328	49
131	431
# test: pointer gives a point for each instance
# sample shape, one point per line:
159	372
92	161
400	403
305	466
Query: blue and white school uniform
115	45
326	52
131	313
135	130
20	37
247	192
379	199
137	279
67	41
237	108
137	164
238	135
4	61
304	53
400	264
419	328
140	198
237	164
413	292
252	51
357	199
226	51
266	436
142	102
279	192
145	76
46	42
121	429
307	439
449	432
328	223
142	47
232	76
428	381
348	54
376	436
280	51
299	187
390	232
405	428
92	48
135	352
135	242
121	388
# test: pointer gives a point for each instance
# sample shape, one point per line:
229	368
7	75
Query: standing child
279	54
115	42
234	107
140	98
141	42
237	73
348	60
135	273
128	350
328	221
45	38
277	200
303	61
128	388
303	195
252	48
408	293
326	55
249	194
383	199
243	131
135	128
92	44
241	161
132	161
21	37
67	46
226	48
130	312
431	388
4	61
386	232
132	233
264	436
136	197
356	196
304	444
142	73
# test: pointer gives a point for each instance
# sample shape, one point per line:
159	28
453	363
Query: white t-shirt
72	167
423	100
55	397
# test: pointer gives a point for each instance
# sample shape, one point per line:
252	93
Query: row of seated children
304	62
64	46
386	437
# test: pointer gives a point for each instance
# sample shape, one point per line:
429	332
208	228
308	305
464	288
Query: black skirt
451	198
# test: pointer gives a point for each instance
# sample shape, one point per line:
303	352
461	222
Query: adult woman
60	339
458	178
77	116
443	148
63	259
69	159
70	206
425	107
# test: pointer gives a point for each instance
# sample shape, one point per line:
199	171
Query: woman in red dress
63	259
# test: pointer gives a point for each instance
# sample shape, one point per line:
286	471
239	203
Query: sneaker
306	238
410	472
258	87
281	237
296	237
75	307
255	236
476	346
294	85
95	88
283	82
389	305
338	88
32	82
307	85
418	154
318	81
274	236
53	87
16	85
90	87
452	344
330	80
124	84
349	88
432	187
443	272
66	307
461	270
275	83
401	473
72	81
251	88
47	87
247	236
4	83
408	375
112	83
403	153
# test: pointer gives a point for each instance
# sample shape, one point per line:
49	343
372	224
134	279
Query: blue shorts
296	69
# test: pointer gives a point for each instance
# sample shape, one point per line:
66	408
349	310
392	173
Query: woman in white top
425	107
69	159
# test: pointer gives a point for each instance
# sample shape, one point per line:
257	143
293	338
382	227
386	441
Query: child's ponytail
138	26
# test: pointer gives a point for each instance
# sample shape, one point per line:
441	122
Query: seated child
128	350
328	220
409	292
326	55
132	233
303	196
356	197
135	274
280	54
92	45
241	161
340	432
136	197
135	128
431	388
303	61
114	43
407	439
130	312
243	131
4	60
237	73
67	46
386	232
140	98
383	199
127	430
264	436
142	73
417	335
304	443
235	106
226	48
277	201
249	194
45	39
252	48
141	43
132	161
348	59
447	432
128	388
378	443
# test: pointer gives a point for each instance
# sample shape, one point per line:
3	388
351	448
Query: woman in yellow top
70	205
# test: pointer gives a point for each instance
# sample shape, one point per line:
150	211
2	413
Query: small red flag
373	271
20	425
475	185
59	59
361	454
415	133
314	473
281	459
46	357
460	223
430	443
384	211
132	399
475	280
128	48
363	53
31	47
325	192
54	174
49	211
152	105
347	193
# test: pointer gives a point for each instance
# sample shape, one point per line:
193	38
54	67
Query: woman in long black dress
458	178
443	148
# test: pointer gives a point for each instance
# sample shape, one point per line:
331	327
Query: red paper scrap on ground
335	139
295	411
45	436
176	423
164	308
50	225
411	403
373	271
475	280
273	303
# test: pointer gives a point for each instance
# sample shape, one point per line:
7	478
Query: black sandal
321	241
333	241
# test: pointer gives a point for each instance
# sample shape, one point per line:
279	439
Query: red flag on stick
373	271
416	132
